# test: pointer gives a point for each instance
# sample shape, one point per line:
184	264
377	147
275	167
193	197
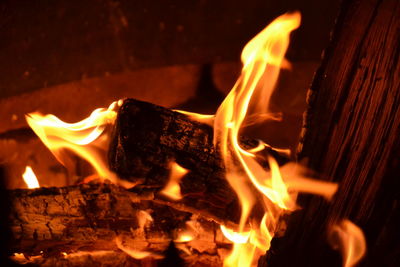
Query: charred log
95	220
148	137
351	136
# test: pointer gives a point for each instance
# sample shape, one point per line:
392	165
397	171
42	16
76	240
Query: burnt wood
86	219
147	138
351	136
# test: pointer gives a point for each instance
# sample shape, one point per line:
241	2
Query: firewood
148	137
90	218
351	136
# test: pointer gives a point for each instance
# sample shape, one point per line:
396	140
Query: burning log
155	151
147	138
61	224
351	136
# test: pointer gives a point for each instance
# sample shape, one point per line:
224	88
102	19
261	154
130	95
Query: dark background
45	43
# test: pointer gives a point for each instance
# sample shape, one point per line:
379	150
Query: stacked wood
351	136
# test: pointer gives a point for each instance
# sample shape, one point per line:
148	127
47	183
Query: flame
184	237
262	59
30	178
85	138
239	238
172	189
350	240
136	254
202	118
144	219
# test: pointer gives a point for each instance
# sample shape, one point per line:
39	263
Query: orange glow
136	254
202	118
184	237
144	219
30	178
172	189
262	59
19	256
85	138
350	241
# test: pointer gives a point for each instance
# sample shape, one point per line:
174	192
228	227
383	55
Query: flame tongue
262	59
85	138
350	240
30	178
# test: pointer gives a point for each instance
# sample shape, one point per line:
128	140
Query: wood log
148	137
351	136
89	219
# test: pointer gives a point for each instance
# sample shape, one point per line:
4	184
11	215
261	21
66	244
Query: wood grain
351	136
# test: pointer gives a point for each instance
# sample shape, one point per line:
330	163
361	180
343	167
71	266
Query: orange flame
262	59
350	240
30	178
184	237
85	138
202	118
172	189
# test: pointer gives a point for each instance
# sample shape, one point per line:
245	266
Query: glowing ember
30	178
136	254
239	238
19	255
172	189
144	219
350	240
184	237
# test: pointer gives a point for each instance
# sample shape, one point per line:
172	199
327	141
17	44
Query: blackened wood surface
351	136
148	138
88	218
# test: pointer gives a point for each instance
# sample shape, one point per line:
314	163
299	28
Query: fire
85	138
136	254
30	178
202	118
172	189
188	233
350	240
246	104
184	237
262	59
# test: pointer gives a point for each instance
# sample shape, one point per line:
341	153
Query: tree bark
351	136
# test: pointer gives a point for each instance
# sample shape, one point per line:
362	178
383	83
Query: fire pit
196	184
